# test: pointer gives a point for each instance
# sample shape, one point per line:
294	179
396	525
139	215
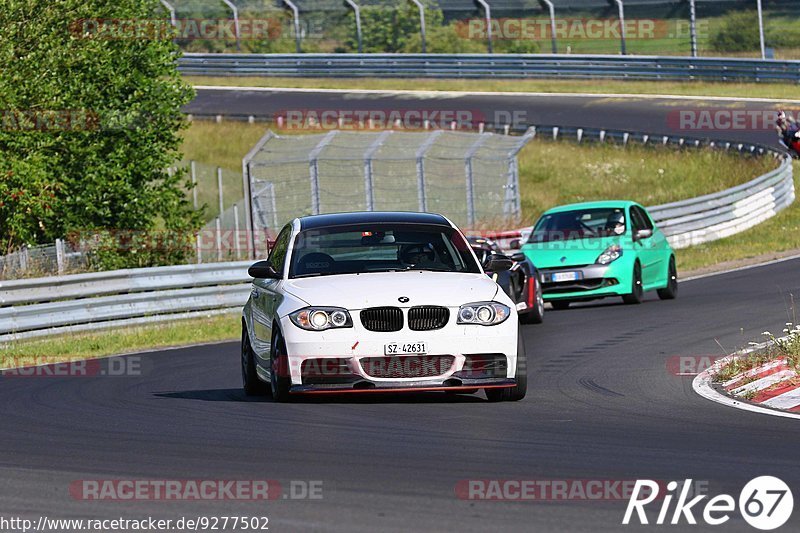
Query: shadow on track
237	395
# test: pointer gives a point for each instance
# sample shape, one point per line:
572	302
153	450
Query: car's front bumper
596	281
339	360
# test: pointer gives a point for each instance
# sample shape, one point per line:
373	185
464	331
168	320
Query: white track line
450	94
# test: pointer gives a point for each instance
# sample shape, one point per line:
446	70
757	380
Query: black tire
535	315
518	391
560	305
279	379
670	292
637	290
251	384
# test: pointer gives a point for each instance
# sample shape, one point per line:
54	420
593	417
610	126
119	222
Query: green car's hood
574	251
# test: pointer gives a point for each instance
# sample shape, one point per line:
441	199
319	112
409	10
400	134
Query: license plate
565	276
409	348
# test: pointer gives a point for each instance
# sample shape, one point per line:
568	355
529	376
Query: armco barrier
79	302
490	65
83	302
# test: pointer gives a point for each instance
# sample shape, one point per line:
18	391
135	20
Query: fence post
60	256
470	185
368	189
235	21
693	26
248	193
193	173
313	167
357	11
24	258
422	24
219	190
552	9
171	10
218	238
622	35
296	17
761	30
422	200
236	241
488	10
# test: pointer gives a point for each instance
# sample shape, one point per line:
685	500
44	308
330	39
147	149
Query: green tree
390	30
92	118
737	32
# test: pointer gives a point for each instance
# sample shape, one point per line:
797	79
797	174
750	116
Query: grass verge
128	340
778	91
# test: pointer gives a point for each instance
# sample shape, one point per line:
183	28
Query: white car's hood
357	291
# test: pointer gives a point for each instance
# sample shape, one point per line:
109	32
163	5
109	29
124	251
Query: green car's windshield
380	248
579	224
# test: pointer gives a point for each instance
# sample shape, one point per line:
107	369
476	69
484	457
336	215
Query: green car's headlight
483	313
321	318
610	254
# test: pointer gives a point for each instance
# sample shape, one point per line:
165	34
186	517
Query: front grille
410	366
382	318
578	285
427	317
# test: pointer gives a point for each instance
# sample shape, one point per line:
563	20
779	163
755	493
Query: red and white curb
774	387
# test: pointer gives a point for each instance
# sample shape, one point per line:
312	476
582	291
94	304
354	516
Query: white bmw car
379	302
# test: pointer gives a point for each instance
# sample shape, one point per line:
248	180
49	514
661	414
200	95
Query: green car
598	249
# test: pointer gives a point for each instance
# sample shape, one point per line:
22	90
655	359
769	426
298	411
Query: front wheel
670	292
279	377
637	290
250	383
518	391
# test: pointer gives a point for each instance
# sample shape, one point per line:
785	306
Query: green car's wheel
250	382
279	373
637	291
670	292
560	305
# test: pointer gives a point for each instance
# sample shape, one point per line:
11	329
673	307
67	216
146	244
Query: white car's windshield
579	224
380	248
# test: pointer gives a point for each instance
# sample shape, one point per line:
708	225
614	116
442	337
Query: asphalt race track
653	115
601	405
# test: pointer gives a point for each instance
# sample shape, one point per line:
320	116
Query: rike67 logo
765	503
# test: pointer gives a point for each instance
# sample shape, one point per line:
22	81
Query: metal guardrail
83	302
490	65
79	302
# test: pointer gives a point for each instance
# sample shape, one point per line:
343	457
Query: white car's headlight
483	313
610	254
321	318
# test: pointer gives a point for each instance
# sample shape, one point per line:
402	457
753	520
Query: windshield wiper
316	274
